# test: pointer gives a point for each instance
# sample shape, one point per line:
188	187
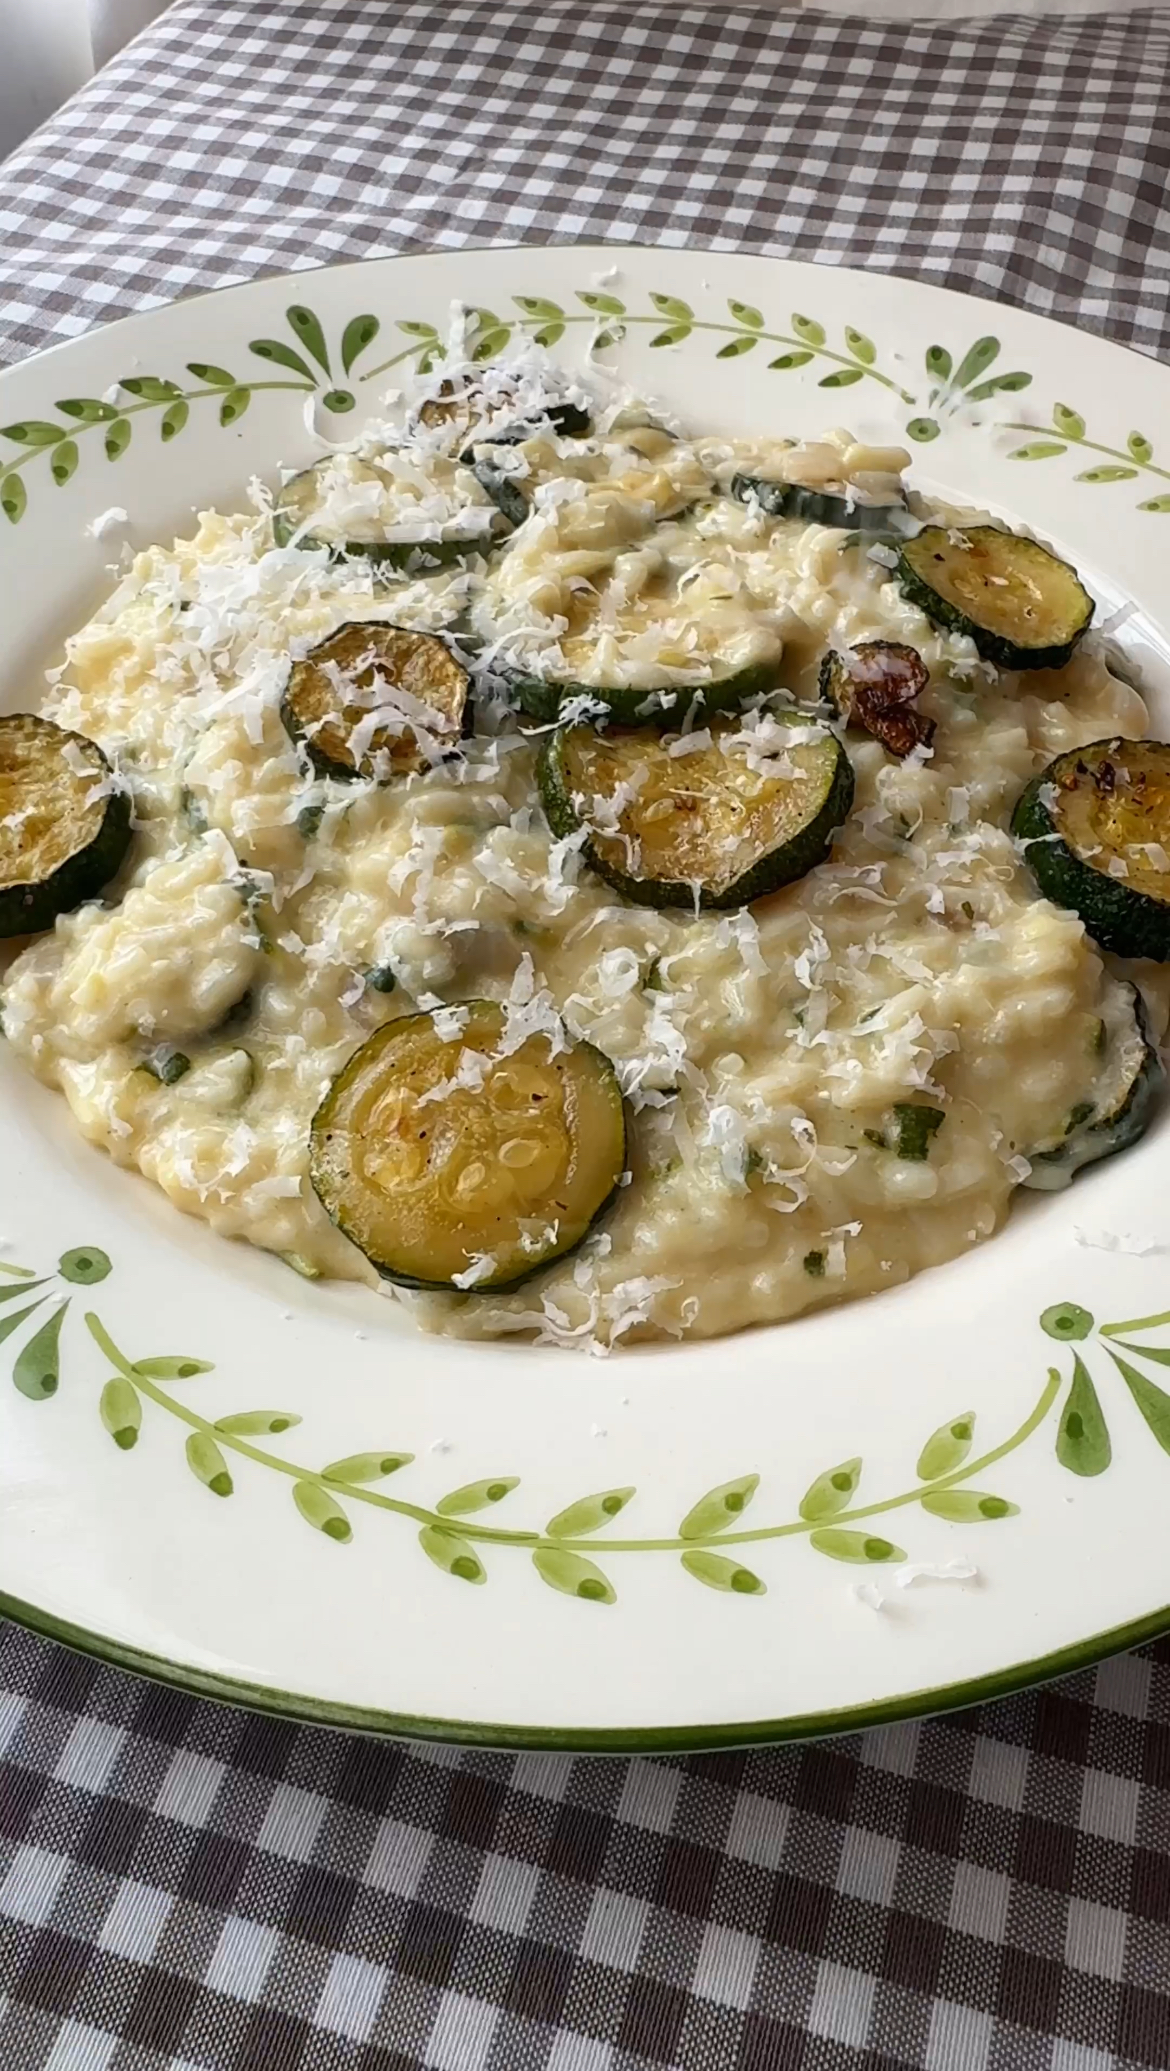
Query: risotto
582	744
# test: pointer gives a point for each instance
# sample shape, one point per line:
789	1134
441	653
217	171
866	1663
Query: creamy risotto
826	1088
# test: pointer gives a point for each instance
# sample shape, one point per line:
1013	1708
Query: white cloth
45	55
114	22
48	48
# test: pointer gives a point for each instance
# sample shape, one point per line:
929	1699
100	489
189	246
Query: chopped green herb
968	909
1100	1039
309	821
814	1264
1082	1112
192	811
242	1011
654	981
380	978
754	1161
915	1127
168	1067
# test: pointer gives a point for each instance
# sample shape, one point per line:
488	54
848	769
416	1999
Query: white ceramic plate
128	1552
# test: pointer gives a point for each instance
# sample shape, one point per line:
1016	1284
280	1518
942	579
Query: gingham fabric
186	1886
183	1888
1017	157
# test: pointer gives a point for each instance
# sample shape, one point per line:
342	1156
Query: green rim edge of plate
601	1740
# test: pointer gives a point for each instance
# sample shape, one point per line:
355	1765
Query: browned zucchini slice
1097	827
701	828
64	831
408	680
1022	605
1124	1085
841	506
301	518
453	1163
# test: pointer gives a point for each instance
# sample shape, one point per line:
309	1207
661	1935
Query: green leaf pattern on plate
1068	421
207	1463
322	1511
85	1267
453	1531
1082	1435
37	1371
719	1508
716	1571
306	356
1153	1402
589	1514
453	1553
120	1410
831	1492
865	1548
1120	464
172	1368
257	1423
968	1506
11	1294
476	1495
573	1575
359	1468
11	1323
947	1447
63	462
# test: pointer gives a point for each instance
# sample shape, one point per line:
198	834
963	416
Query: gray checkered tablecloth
184	1886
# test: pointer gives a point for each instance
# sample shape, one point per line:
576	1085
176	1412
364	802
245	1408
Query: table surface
184	1886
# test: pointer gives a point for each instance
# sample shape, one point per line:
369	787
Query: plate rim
567	244
260	1700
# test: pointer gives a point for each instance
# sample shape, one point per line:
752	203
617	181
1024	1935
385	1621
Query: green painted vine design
168	403
1119	465
1083	1444
952	388
454	1535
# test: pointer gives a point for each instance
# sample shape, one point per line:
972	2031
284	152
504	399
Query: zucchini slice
702	829
459	402
446	1155
874	686
366	668
64	831
541	697
504	490
1120	1098
299	519
567	420
842	506
1097	827
1022	606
